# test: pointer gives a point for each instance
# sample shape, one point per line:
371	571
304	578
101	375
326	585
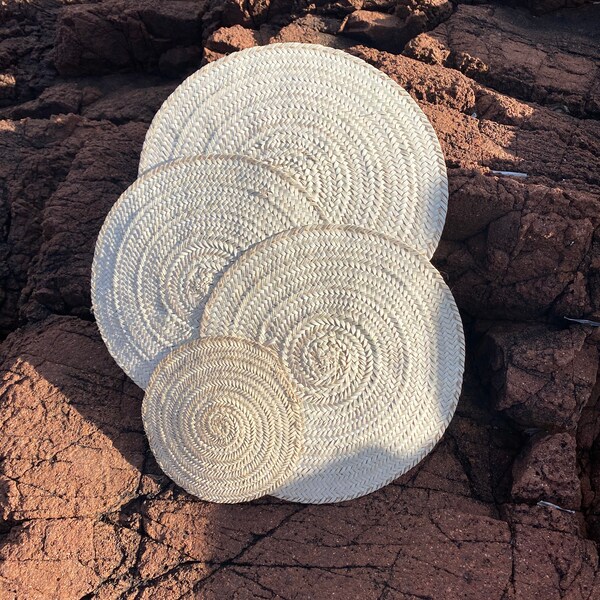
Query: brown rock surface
436	11
554	61
311	29
63	177
314	30
26	42
513	247
73	443
539	7
541	377
66	558
232	39
381	30
547	471
85	512
58	279
117	35
551	558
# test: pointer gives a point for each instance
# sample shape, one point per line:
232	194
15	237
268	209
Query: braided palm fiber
372	339
353	137
222	419
166	240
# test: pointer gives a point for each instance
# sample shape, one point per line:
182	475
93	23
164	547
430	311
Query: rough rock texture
435	11
313	30
118	35
310	29
85	512
540	377
547	471
64	175
231	39
73	441
555	63
513	247
384	31
26	42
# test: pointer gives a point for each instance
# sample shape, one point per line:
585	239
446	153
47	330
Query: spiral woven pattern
167	239
222	419
352	137
373	342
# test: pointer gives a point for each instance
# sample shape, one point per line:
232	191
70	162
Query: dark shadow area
73	441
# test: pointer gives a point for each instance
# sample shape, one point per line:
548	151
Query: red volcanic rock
310	29
85	510
435	11
551	558
26	41
547	471
179	61
588	455
253	14
314	30
64	558
117	35
517	54
499	132
541	377
518	250
41	154
118	97
75	177
248	13
382	30
63	98
72	444
232	39
122	99
513	247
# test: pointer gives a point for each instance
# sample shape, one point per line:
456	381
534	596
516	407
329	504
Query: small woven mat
222	419
352	137
372	339
166	240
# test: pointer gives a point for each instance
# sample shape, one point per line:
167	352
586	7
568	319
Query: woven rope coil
222	419
352	137
372	339
167	239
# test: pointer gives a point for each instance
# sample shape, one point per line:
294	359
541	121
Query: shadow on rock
73	438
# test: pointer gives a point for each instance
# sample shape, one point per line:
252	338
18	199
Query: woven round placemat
167	239
222	419
372	339
352	136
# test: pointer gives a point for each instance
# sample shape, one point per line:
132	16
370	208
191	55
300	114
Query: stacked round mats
267	280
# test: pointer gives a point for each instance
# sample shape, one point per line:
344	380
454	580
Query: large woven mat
353	138
167	239
372	339
222	419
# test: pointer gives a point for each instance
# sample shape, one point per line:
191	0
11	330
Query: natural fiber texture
222	419
167	239
372	339
352	137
